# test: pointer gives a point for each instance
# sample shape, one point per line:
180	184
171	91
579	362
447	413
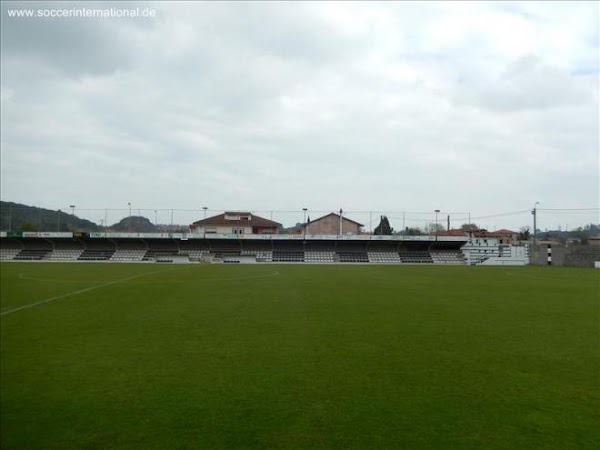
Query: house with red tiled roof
235	222
505	236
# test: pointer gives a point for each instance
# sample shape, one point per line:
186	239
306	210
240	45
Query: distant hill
135	224
18	217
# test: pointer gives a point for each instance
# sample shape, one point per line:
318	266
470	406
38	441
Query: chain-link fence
19	217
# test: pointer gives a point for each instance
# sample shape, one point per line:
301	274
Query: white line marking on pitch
81	291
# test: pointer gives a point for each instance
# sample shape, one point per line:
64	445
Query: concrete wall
571	255
582	255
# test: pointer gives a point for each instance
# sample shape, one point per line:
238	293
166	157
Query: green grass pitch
150	356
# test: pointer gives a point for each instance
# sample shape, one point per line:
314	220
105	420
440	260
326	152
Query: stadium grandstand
255	248
235	237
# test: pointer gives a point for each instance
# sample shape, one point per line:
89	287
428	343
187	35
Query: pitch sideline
81	291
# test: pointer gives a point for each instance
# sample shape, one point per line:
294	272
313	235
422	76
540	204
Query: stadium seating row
384	257
315	256
7	254
440	257
170	252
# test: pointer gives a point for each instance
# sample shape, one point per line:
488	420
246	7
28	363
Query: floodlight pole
304	209
534	212
129	221
205	208
341	212
58	221
470	228
437	211
72	209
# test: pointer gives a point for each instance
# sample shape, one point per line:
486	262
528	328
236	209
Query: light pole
534	212
155	217
437	211
58	221
72	209
205	208
341	212
129	221
304	209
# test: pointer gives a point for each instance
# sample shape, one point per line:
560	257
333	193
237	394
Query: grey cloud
72	46
269	105
526	84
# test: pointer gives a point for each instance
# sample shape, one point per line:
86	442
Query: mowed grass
299	357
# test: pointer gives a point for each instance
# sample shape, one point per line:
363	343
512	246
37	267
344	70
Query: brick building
331	223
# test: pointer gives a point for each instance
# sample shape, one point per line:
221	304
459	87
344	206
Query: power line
512	213
568	209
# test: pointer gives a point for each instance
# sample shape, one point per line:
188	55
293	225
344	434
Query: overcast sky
474	107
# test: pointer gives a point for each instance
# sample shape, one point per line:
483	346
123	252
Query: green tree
384	227
524	233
